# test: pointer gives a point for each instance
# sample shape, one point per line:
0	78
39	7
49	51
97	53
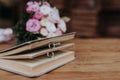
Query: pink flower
32	6
54	16
33	25
38	15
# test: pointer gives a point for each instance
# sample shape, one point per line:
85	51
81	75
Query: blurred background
89	18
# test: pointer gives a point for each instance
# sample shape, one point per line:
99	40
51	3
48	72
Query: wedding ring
53	45
50	54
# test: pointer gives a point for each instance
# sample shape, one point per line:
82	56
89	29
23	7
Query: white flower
50	27
8	38
66	19
44	22
51	35
1	31
54	15
45	9
6	34
2	38
58	32
8	31
62	25
44	32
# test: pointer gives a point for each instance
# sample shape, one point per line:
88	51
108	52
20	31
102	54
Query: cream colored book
35	44
36	53
38	66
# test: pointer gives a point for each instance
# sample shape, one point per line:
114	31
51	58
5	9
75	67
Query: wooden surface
96	59
84	17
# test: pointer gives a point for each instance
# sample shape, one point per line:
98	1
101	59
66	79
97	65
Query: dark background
89	18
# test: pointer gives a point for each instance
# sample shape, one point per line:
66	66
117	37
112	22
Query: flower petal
51	35
62	25
50	27
45	9
33	25
44	32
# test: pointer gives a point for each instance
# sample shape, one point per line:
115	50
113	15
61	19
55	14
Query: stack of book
35	58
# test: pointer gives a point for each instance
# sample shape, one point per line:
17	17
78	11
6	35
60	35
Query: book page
11	46
37	52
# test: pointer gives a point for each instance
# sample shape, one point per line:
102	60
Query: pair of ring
52	46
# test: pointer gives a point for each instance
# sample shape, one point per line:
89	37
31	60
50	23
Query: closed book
38	66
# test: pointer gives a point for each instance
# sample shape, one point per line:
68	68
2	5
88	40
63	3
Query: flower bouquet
40	20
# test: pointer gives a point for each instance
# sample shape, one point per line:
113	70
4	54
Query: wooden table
96	59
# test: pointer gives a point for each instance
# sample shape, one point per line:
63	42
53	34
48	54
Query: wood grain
96	59
84	14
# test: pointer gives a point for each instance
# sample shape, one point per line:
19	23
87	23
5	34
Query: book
37	57
35	44
38	66
35	53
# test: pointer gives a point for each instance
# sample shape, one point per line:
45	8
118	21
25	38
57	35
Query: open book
37	57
